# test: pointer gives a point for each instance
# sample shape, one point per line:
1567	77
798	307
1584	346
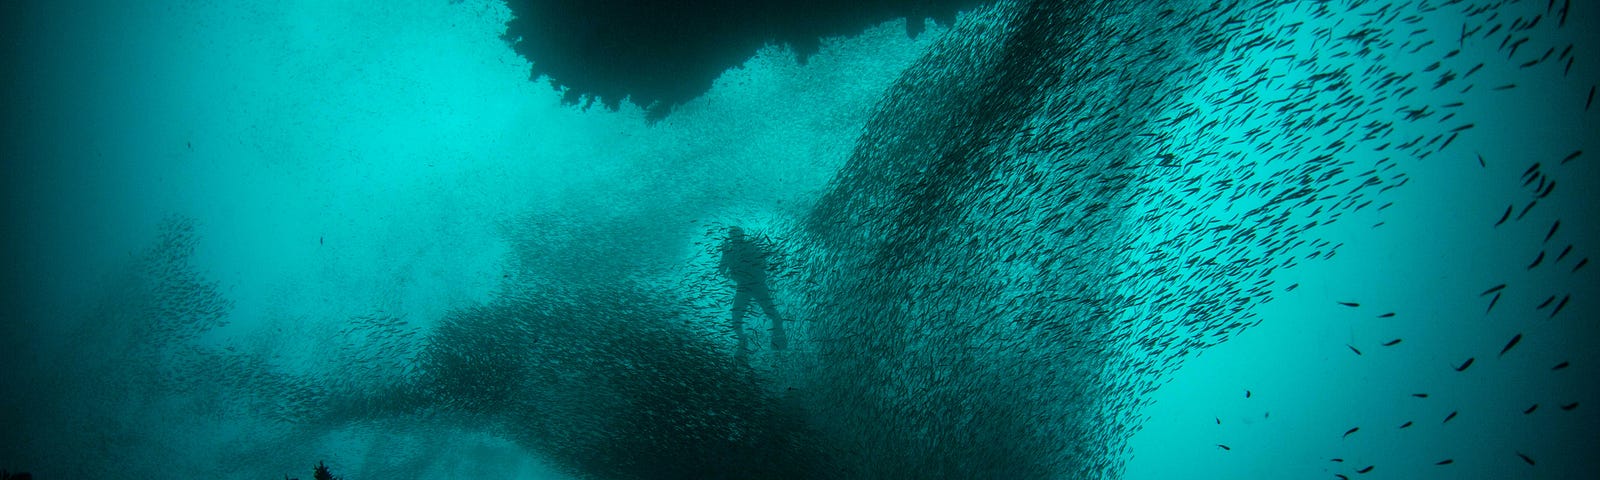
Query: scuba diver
744	262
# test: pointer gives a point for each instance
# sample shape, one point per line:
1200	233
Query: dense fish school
1047	215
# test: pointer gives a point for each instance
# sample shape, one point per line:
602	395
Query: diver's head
735	233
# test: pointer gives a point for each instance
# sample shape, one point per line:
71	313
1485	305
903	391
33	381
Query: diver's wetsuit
745	264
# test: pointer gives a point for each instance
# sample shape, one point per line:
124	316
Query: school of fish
1047	215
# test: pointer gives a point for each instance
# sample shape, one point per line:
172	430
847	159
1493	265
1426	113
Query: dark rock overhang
662	53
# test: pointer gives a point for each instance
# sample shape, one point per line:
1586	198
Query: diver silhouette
744	262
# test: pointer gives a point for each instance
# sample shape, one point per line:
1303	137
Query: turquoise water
1047	241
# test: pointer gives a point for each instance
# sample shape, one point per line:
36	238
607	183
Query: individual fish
1404	425
1551	187
1560	366
1420	395
1517	44
1350	304
1580	264
1552	232
1512	343
1353	349
1564	252
1445	462
1219	420
1525	458
1529	207
1365	470
1547	301
1464	365
1336	460
1537	260
1569	407
1530	409
1561	305
1341	476
1481	163
1224	447
1247	393
1387	315
1350	431
1506	215
1493	289
1449	417
1589	102
1292	287
1571	156
1493	301
1391	343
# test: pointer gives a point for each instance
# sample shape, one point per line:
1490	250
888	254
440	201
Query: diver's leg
741	301
780	339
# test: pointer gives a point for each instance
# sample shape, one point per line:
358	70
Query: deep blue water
1051	239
